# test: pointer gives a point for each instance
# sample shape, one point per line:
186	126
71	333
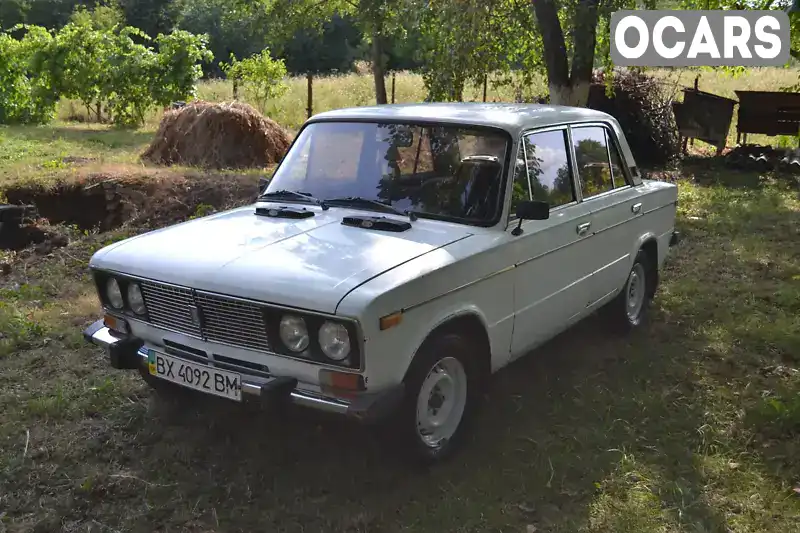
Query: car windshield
449	172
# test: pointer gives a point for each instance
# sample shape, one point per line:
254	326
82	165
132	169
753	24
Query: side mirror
262	185
531	210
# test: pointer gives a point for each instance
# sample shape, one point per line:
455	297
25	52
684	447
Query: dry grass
337	91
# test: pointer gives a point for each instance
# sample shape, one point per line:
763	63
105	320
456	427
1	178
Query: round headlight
135	299
334	341
294	333
113	294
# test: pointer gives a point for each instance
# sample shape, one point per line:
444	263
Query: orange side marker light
390	321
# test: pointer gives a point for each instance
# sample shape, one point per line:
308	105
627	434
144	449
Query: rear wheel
629	309
443	388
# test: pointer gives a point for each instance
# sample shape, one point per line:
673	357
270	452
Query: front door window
543	171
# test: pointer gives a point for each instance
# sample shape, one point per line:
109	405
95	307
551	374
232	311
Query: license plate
198	377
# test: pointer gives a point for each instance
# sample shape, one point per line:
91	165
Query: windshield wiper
284	193
365	202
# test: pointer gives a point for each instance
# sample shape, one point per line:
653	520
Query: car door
551	258
614	206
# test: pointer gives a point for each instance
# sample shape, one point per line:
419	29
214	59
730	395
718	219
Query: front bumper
123	353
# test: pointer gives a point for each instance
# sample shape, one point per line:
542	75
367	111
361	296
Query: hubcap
441	401
634	293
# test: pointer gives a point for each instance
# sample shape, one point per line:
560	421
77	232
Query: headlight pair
333	338
134	293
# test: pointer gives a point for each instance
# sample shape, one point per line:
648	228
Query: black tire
619	313
402	428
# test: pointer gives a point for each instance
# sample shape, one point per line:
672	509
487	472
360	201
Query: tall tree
562	38
568	86
464	41
335	48
378	21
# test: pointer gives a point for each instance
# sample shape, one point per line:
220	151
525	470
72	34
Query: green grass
37	151
690	424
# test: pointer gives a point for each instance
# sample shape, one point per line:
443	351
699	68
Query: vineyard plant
117	73
261	75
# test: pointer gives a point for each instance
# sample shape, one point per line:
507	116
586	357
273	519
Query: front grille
233	322
225	320
170	307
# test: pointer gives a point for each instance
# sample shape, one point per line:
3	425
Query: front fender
442	316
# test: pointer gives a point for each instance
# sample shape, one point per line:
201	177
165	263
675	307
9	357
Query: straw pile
219	136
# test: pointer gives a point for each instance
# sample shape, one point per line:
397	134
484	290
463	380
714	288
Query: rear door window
591	157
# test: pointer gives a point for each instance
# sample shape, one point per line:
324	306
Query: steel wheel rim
634	293
441	402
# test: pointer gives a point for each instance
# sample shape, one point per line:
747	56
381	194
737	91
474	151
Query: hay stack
219	136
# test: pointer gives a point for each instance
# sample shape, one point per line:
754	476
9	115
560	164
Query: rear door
614	206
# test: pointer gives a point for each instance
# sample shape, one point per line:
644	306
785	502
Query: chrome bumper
124	353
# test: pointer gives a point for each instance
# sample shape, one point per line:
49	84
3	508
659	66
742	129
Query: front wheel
442	393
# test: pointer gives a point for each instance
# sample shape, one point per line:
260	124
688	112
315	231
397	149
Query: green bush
178	66
129	86
79	57
27	89
113	71
261	75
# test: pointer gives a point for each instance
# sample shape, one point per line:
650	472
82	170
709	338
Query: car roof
513	118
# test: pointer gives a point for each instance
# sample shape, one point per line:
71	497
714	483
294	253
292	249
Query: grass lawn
689	425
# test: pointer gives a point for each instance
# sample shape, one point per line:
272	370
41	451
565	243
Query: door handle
636	208
583	228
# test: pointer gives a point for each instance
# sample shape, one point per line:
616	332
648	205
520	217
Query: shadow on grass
718	170
582	412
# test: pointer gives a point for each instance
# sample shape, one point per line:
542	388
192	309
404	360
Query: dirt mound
220	136
145	198
20	227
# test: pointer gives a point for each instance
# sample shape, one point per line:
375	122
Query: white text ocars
399	256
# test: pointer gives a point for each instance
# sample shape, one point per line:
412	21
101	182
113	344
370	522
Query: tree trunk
568	87
377	69
575	94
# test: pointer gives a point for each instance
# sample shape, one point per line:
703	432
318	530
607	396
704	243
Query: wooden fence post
696	85
310	108
485	83
394	75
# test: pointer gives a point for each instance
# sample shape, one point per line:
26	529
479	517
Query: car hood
307	263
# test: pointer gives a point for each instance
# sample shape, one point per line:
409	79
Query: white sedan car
398	257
